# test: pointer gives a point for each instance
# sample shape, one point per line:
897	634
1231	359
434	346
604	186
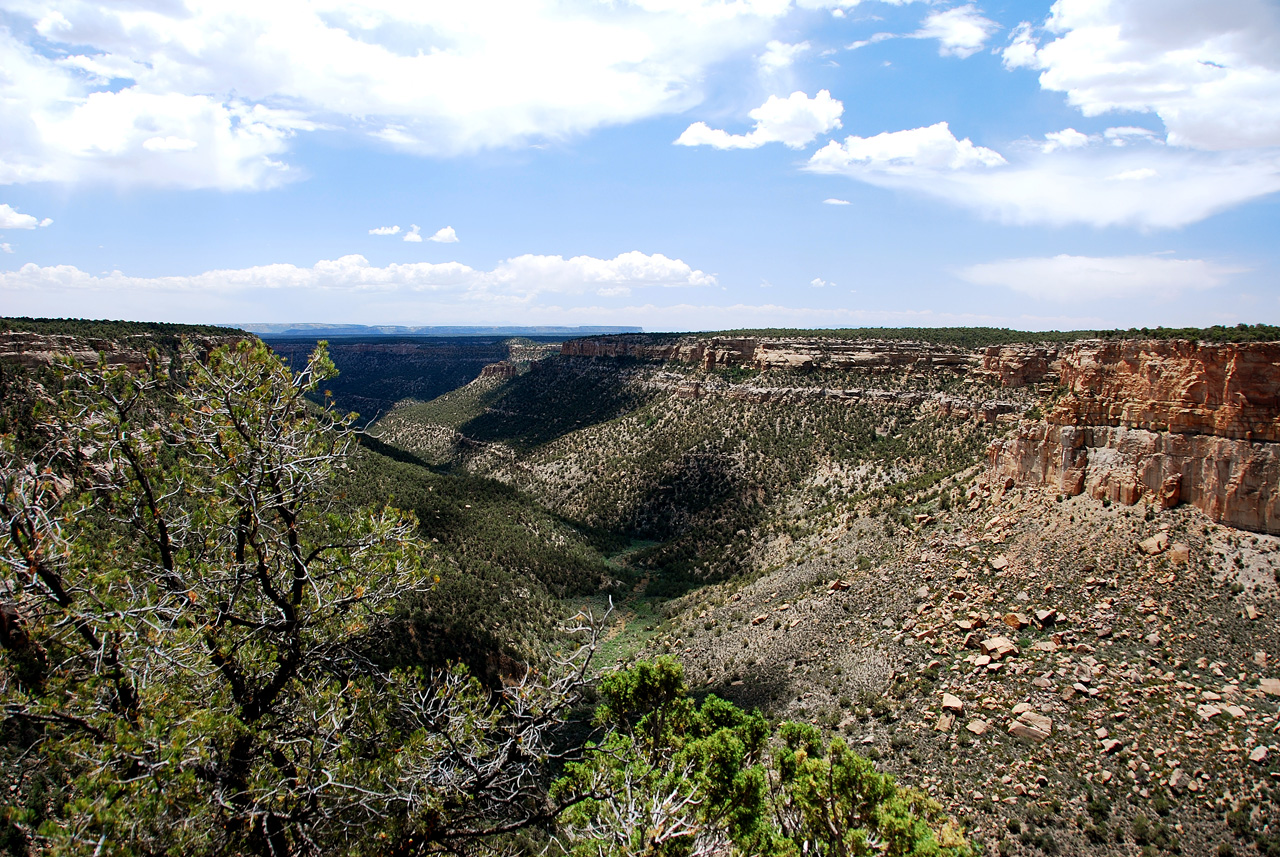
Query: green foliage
158	332
192	623
674	777
376	373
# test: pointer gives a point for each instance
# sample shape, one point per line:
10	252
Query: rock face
35	349
501	369
774	353
1018	365
1228	390
1162	422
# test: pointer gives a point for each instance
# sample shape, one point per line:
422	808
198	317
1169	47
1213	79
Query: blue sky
675	164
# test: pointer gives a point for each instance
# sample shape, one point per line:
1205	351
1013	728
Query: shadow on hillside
553	399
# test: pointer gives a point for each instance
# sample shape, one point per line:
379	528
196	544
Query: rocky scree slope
1084	671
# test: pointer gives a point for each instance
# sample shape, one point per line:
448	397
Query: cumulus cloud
1147	186
522	277
6	248
915	151
793	121
385	230
819	283
960	31
445	235
834	201
11	219
1210	71
1067	138
194	95
414	234
1082	278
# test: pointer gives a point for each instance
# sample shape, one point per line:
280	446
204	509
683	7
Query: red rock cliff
1161	422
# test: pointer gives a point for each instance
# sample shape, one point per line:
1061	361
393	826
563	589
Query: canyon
1129	421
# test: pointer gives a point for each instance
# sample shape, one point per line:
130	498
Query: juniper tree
189	634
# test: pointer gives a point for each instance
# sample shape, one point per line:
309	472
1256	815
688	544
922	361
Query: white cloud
1135	175
6	248
445	235
48	221
1163	186
780	55
521	277
1123	136
834	201
1071	279
11	219
414	234
793	121
1067	138
862	43
211	94
819	283
1210	71
385	230
1021	50
913	151
169	144
961	31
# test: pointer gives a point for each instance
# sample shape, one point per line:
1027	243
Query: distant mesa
312	330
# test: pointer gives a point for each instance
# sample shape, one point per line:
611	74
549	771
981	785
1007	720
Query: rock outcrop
1226	390
1018	365
1162	422
36	350
764	353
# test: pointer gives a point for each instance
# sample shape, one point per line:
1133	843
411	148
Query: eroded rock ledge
716	352
1161	422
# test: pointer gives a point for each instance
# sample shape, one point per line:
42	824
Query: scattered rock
1270	686
1179	554
1260	754
999	648
1000	562
1157	544
1016	621
977	727
763	617
1208	712
952	703
945	722
1031	726
1045	618
1111	745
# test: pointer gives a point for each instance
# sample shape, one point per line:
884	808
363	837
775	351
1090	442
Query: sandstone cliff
1161	422
714	352
37	350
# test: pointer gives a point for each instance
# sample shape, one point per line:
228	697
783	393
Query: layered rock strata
764	353
1162	422
35	350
